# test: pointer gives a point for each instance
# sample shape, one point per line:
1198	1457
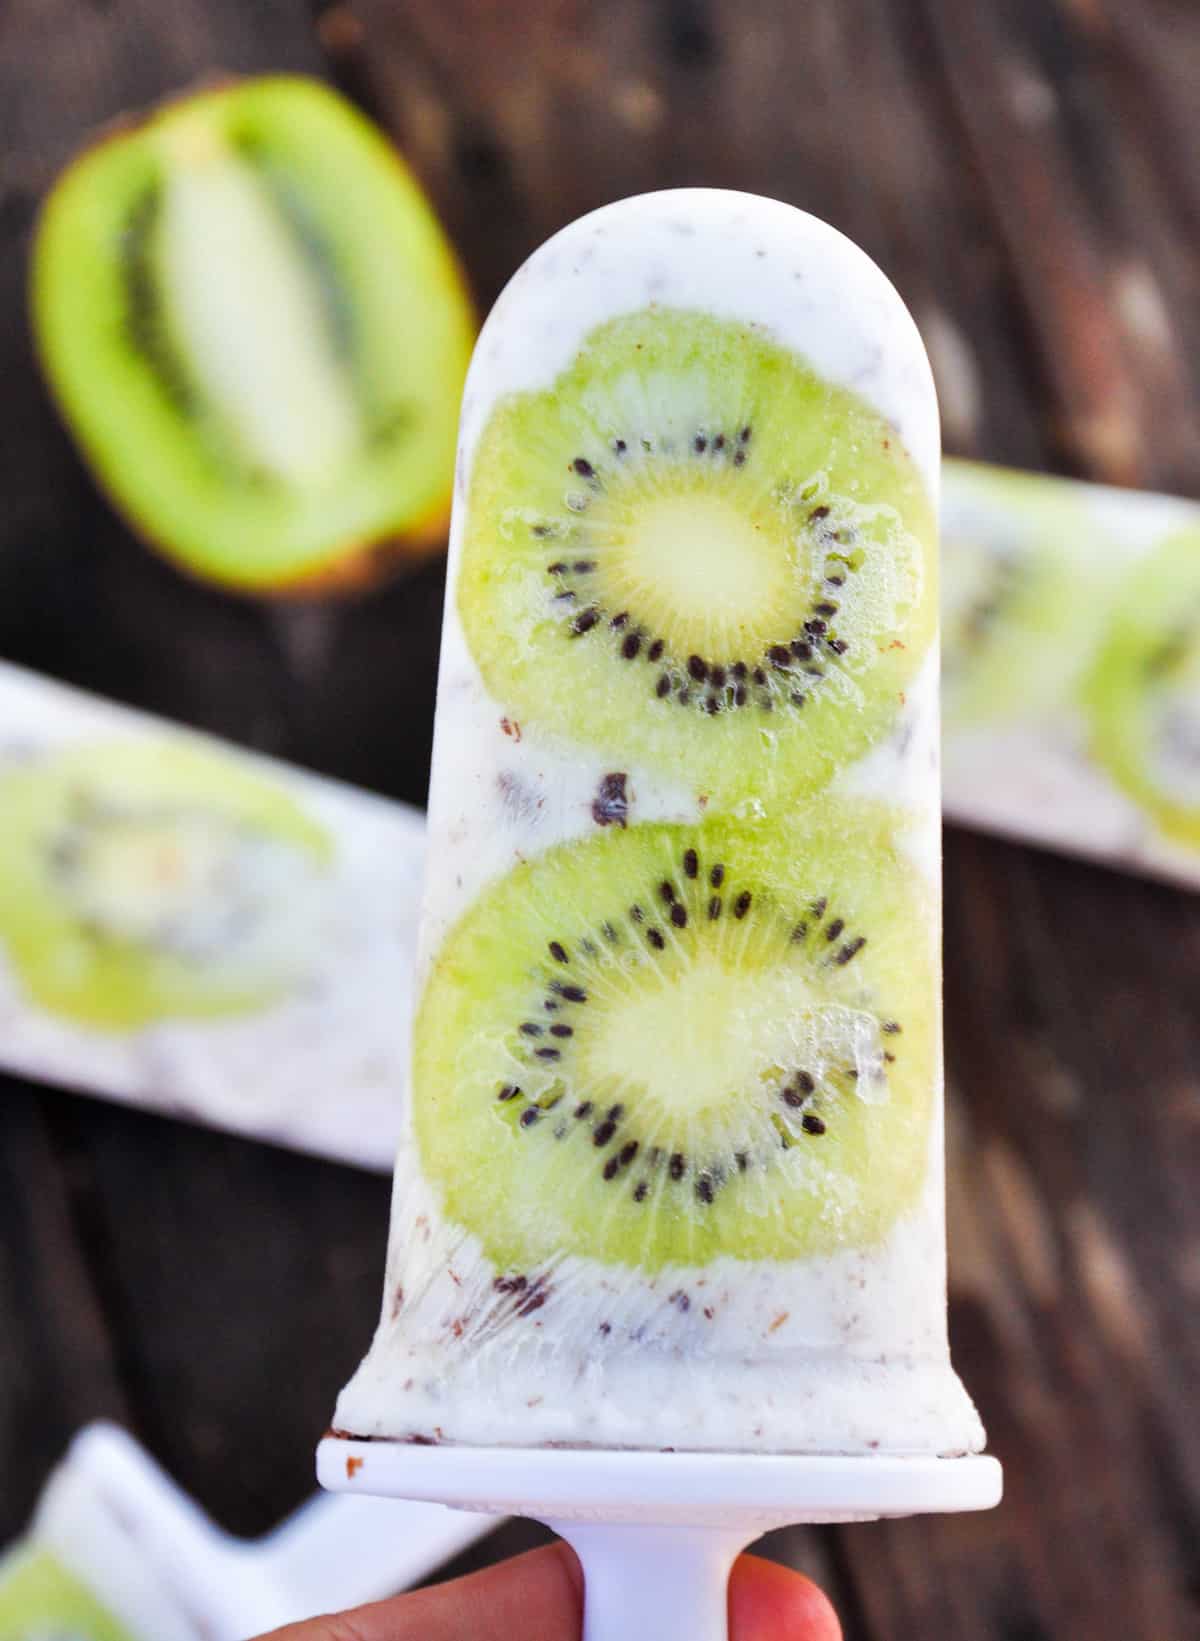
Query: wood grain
1024	170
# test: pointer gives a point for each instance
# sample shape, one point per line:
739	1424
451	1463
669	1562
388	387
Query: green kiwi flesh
149	880
1023	588
41	1601
693	553
1143	689
256	330
663	1045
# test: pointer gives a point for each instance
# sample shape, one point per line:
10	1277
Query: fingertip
772	1603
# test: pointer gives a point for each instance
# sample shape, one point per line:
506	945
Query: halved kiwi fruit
41	1601
146	880
692	552
257	331
1143	690
659	1046
1024	584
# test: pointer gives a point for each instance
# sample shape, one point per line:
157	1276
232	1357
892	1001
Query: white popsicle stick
657	1533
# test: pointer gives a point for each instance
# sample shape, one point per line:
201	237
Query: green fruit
146	880
692	553
1143	690
1024	588
257	332
659	1046
41	1601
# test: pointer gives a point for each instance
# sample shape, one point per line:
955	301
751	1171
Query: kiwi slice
256	329
1143	689
659	1046
145	880
41	1601
692	551
1023	585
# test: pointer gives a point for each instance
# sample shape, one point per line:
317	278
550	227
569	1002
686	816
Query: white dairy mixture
842	1354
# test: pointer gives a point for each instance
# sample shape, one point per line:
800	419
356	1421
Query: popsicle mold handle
654	1583
342	1551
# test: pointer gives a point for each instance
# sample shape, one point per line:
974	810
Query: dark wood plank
59	1358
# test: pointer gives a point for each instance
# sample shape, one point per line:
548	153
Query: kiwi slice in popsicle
1143	689
41	1601
148	880
1025	586
660	1046
693	553
256	330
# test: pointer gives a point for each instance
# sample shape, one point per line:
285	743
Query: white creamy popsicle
670	1173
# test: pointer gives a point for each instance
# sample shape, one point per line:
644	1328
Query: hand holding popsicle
541	1594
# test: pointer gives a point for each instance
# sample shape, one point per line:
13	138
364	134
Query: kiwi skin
379	542
514	1124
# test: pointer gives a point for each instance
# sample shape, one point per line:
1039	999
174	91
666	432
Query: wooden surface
1025	171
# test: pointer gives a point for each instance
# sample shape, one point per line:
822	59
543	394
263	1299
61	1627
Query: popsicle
116	1552
1071	698
191	928
670	1171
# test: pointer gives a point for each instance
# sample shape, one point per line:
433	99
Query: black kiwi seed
839	646
654	653
676	1166
663	687
584	566
508	1092
716	677
717	876
691	863
792	1096
584	467
704	1185
714	908
819	513
548	1053
739	457
811	1123
604	1132
585	622
637	914
667	890
572	994
620	446
631	646
529	1116
558	951
616	1112
797	698
818	907
619	619
834	929
711	705
779	655
759	676
684	696
805	1083
641	1191
655	937
739	695
739	669
816	627
719	442
679	916
557	568
802	649
697	668
530	1030
628	1151
611	1167
699	444
851	949
891	1027
744	435
584	1110
562	1031
742	904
